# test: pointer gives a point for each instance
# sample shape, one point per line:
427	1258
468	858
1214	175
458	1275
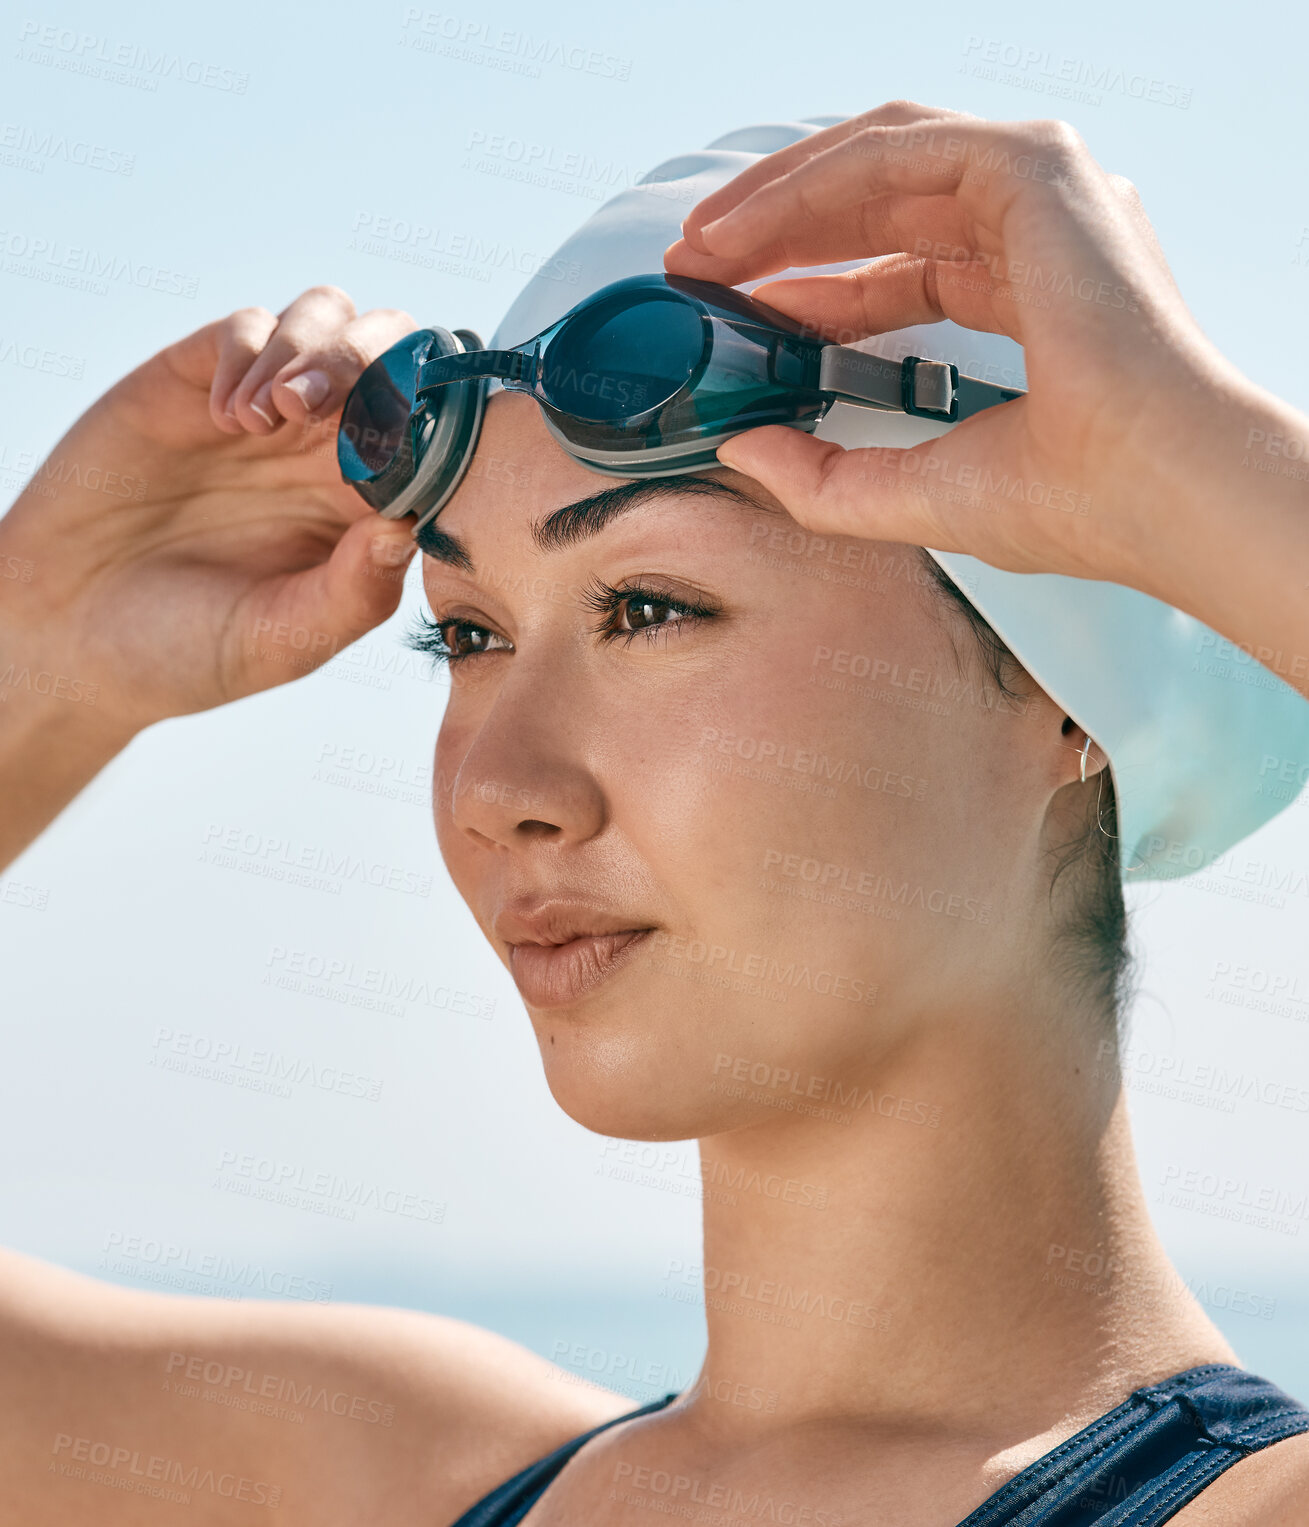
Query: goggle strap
974	396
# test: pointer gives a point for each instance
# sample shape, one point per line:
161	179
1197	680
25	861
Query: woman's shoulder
1269	1488
337	1414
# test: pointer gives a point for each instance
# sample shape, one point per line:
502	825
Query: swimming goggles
644	378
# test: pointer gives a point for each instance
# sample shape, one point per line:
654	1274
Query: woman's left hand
1131	456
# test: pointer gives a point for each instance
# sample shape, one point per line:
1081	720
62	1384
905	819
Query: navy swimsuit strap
1147	1458
1136	1466
510	1502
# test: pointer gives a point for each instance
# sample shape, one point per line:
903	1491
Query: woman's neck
961	1245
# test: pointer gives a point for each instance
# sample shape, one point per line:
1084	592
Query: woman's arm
1196	480
178	550
52	743
335	1415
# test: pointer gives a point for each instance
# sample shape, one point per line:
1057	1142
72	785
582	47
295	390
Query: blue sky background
284	139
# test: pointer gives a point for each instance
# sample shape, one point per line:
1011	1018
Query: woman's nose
523	775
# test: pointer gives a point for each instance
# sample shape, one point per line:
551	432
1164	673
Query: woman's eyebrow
587	517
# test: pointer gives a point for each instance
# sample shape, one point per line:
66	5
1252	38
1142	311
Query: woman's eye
636	612
449	641
626	614
643	612
463	639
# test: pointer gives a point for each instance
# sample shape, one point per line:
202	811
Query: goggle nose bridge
441	370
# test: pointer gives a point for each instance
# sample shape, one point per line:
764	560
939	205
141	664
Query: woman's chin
628	1108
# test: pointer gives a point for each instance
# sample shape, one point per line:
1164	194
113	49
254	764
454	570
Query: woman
893	1334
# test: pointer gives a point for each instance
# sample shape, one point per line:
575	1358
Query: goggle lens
620	358
375	420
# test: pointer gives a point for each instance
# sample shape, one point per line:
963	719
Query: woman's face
825	821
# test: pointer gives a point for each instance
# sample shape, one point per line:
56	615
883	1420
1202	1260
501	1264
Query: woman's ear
1085	757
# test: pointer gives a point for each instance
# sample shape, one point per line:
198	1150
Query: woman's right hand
189	540
1139	454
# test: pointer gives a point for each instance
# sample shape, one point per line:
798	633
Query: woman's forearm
1234	549
54	739
1256	544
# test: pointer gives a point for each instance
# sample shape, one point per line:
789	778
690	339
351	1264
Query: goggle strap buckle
929	389
855	377
925	388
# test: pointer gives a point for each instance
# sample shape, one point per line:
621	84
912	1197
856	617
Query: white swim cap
1200	737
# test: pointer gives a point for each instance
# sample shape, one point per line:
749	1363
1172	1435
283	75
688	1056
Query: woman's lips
550	975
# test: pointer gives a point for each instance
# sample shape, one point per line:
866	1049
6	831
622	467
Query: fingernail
311	387
263	413
707	232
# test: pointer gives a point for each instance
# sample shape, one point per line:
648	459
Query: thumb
303	619
826	488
